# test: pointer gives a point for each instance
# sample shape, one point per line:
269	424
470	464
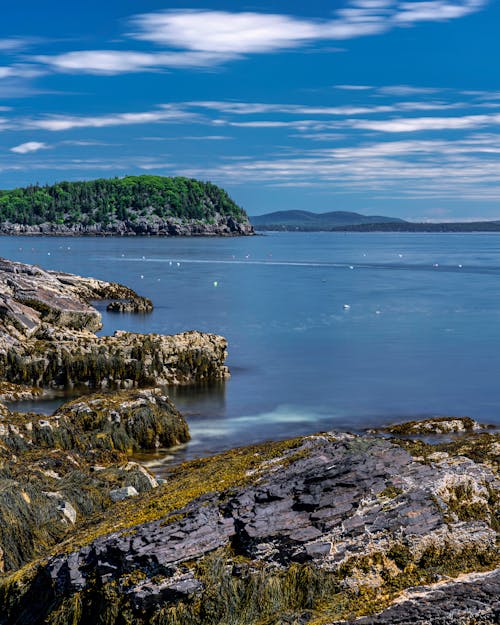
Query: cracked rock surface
332	525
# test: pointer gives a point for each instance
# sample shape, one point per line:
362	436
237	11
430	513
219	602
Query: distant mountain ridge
306	220
345	221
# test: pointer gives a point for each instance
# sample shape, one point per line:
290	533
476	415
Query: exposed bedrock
471	600
47	339
316	530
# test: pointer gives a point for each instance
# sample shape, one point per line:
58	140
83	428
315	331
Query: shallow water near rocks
326	330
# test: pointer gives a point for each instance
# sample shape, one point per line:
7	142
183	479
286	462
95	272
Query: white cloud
407	90
415	124
206	38
29	146
13	44
251	108
57	123
188	138
409	169
221	31
119	61
436	10
255	108
21	71
247	32
353	87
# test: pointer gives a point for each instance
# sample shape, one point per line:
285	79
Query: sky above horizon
377	106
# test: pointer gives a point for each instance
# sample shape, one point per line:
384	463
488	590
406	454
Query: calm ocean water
421	335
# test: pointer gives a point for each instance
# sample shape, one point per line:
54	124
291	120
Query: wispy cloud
188	138
14	44
246	32
256	108
206	38
353	87
252	108
29	146
407	90
56	123
435	10
412	169
21	70
112	62
416	124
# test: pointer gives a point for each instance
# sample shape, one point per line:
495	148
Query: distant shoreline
397	227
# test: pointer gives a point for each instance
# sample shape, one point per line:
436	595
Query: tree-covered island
150	205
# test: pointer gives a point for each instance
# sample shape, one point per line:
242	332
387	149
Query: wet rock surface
331	525
47	337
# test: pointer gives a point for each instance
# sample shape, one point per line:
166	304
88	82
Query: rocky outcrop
57	470
125	421
18	392
434	425
146	225
47	326
470	600
320	529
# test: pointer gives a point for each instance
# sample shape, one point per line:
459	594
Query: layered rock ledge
321	529
48	340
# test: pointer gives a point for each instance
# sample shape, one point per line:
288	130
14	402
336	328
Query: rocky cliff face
322	529
47	326
151	225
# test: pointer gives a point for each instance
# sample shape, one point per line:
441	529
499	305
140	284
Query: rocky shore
331	528
48	340
56	471
328	529
150	225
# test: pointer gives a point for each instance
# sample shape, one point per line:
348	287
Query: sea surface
326	330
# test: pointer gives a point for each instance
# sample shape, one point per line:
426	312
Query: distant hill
305	220
150	205
344	221
407	226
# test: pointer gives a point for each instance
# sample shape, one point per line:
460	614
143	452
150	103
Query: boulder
119	494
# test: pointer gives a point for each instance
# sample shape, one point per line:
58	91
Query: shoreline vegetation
129	206
331	528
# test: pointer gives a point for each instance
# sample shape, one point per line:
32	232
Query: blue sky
377	106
